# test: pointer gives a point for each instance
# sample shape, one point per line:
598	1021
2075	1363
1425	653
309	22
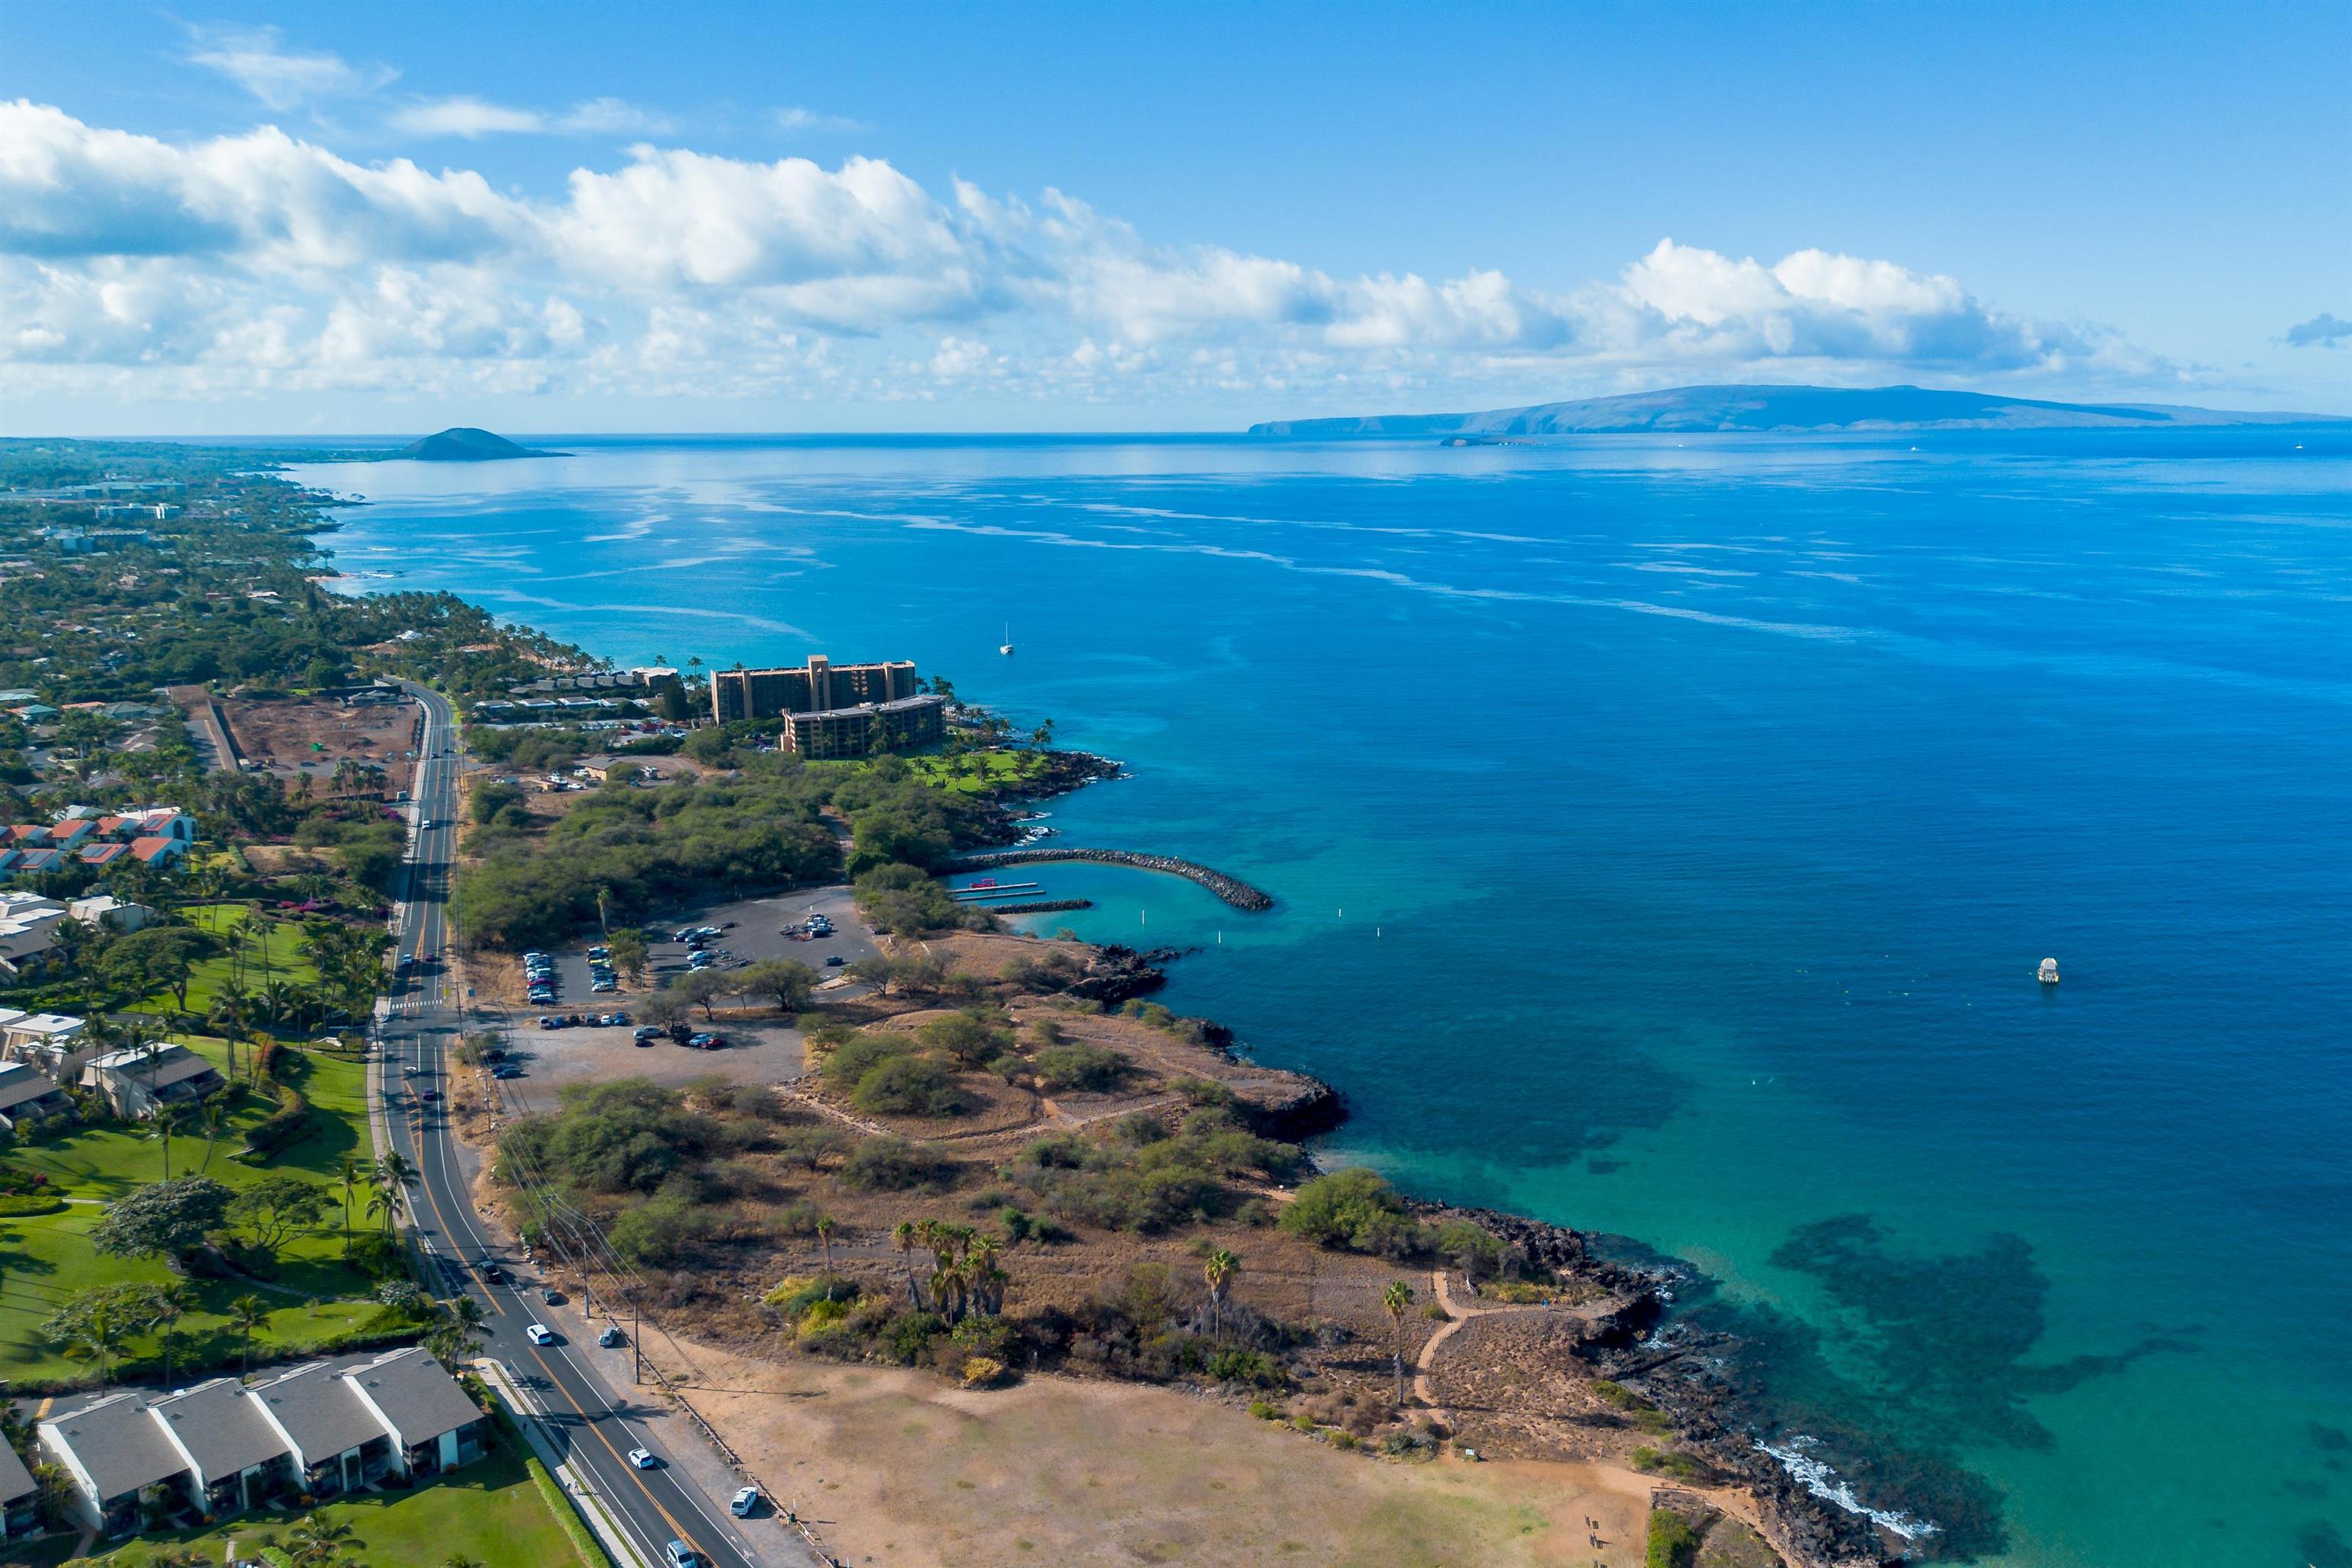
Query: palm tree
167	1121
163	1311
824	1238
987	1276
249	1315
903	1237
231	1011
100	1333
1393	1301
349	1171
1219	1271
314	1541
395	1168
213	1117
391	1200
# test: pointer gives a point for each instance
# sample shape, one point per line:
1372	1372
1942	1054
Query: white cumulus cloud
266	261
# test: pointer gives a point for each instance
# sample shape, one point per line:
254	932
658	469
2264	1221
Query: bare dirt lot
279	735
906	1470
758	1050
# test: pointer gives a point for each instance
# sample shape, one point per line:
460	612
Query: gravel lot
760	1050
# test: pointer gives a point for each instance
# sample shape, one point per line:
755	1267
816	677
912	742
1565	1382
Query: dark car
506	1069
429	1096
491	1271
833	963
612	1336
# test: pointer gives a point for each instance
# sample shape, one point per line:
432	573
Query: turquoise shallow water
1667	835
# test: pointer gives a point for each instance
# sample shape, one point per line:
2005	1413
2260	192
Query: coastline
1798	1505
1709	1412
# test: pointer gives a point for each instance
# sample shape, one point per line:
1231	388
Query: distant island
1761	409
464	444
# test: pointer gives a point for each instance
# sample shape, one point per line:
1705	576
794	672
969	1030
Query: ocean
1666	831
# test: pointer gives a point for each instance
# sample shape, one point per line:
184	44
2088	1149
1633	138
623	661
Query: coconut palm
164	1307
350	1172
389	1201
314	1541
1218	1272
212	1115
248	1315
168	1119
100	1333
1394	1301
825	1239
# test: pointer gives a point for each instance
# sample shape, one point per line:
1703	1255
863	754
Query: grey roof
118	1444
416	1394
322	1417
19	1083
15	1480
220	1428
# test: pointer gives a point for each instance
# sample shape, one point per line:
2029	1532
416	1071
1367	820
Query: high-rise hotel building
846	711
817	687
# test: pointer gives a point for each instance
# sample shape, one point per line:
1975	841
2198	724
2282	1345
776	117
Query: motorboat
2048	972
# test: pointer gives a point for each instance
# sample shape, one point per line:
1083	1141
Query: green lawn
489	1511
274	950
44	1258
976	773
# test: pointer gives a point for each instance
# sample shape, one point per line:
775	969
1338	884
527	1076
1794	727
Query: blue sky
368	217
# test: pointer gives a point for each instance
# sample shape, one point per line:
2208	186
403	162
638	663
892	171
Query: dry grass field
905	1470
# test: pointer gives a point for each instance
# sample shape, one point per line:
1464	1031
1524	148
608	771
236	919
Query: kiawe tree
168	1219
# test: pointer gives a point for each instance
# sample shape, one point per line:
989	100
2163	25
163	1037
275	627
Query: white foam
1817	1477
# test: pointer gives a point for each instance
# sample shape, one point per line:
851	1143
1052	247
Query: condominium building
901	726
221	1447
817	687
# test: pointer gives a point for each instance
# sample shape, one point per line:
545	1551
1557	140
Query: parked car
506	1069
604	986
552	1296
546	1023
539	1334
647	1033
612	1336
832	961
743	1502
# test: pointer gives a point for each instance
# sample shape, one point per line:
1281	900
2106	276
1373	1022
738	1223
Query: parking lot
758	1050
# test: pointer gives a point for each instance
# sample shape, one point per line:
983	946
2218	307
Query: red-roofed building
104	853
160	853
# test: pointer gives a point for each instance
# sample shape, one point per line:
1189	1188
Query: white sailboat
1007	648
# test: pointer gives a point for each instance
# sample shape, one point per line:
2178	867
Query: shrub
894	1165
908	1338
1518	1292
1302	1423
1254	1368
910	1086
1670	1462
1265	1410
1408	1445
379	1256
980	1372
1077	1064
283	1128
1673	1542
1346	1441
1355	1210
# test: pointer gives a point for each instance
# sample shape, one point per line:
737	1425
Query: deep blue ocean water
1666	834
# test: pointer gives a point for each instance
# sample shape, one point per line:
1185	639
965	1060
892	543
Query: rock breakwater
1232	889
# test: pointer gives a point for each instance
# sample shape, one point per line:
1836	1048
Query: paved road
596	1424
